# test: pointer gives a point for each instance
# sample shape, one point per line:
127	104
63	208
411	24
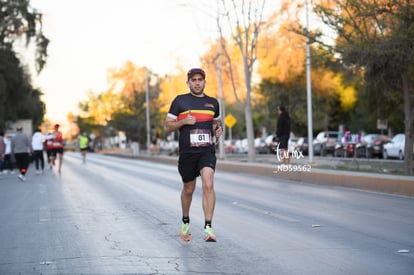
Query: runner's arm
172	124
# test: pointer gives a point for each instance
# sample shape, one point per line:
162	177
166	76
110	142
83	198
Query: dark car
372	145
324	143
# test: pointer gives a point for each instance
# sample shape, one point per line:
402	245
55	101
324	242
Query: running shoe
185	232
21	177
209	235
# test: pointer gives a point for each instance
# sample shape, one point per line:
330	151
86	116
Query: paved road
121	216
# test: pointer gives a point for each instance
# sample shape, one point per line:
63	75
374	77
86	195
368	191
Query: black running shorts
56	151
190	164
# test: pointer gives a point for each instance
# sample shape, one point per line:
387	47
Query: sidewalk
300	172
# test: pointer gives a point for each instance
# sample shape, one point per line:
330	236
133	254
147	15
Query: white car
241	146
395	148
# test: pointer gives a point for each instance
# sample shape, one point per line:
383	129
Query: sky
88	37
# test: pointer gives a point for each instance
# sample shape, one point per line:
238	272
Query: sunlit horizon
89	37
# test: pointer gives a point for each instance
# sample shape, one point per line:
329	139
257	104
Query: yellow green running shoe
185	232
209	235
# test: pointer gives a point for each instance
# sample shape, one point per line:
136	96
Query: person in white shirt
37	144
2	150
8	163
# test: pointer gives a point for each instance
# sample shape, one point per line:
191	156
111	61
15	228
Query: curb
392	184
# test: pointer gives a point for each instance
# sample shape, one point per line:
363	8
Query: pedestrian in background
48	146
84	146
2	151
283	134
38	140
9	161
22	150
197	118
154	139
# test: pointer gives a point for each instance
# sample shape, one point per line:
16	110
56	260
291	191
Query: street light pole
147	109
309	87
221	103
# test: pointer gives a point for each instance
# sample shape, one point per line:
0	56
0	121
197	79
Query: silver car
325	142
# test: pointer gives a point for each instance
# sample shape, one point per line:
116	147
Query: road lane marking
266	212
44	214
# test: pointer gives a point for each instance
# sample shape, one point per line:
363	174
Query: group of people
52	144
19	149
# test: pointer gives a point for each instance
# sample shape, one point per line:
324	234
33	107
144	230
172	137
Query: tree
122	106
281	66
245	21
19	20
377	37
18	99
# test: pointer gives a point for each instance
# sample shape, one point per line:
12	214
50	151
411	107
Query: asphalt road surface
122	216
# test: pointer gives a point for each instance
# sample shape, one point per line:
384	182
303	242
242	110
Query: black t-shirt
197	137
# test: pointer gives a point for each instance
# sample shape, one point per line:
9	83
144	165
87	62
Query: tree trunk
251	156
248	109
408	123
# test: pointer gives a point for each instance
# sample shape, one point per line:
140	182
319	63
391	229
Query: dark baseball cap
195	71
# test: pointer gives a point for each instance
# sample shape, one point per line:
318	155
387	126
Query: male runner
197	118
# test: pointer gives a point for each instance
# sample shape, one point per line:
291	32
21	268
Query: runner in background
84	146
22	150
57	148
38	146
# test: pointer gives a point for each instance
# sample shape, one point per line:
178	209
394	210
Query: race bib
200	138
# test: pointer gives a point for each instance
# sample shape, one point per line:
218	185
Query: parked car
378	146
325	142
302	145
260	146
371	145
271	144
169	147
395	148
241	146
229	145
292	144
366	142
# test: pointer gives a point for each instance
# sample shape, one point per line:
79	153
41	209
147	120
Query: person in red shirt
57	148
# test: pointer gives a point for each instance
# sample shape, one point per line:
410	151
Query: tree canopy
18	98
377	38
